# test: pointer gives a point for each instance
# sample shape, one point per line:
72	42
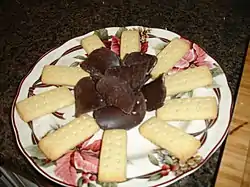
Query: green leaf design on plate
190	93
214	85
102	34
216	65
53	128
159	47
75	64
180	95
80	182
107	184
43	162
130	162
80	57
177	96
118	33
98	182
216	71
153	159
168	160
91	185
155	177
78	170
34	151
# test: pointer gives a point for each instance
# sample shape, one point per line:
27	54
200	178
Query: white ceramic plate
147	164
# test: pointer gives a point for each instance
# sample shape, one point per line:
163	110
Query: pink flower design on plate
84	159
65	170
202	57
115	45
185	62
195	56
144	47
189	57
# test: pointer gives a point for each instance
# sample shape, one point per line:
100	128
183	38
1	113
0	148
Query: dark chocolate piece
86	96
99	60
135	74
155	93
113	118
116	92
140	58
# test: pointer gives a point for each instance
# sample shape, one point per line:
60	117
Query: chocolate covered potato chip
140	58
116	92
155	93
99	60
86	97
135	75
113	118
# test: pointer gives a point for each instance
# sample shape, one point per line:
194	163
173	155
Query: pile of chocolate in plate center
116	90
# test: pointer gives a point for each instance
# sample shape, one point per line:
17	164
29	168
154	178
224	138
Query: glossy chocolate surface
155	93
100	60
86	97
113	118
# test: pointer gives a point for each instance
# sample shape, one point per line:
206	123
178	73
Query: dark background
30	28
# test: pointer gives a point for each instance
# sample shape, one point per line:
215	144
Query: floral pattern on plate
79	166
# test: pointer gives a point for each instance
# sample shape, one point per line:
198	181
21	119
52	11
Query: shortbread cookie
113	159
62	75
169	56
197	108
187	80
56	144
44	103
130	42
174	140
91	43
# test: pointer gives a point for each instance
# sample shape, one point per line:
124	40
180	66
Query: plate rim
45	174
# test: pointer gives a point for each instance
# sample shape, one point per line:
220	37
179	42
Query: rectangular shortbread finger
197	108
188	80
44	103
176	141
56	144
169	56
113	159
62	75
130	42
91	43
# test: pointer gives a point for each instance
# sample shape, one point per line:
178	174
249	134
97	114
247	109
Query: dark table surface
30	28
